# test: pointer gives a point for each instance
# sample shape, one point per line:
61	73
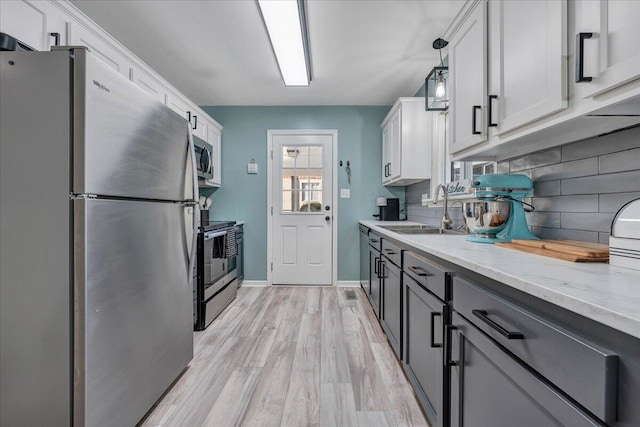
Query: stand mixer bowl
486	217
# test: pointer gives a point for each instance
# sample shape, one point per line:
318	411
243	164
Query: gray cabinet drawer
392	252
375	241
583	370
426	272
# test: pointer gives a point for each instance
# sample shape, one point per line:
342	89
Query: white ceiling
217	52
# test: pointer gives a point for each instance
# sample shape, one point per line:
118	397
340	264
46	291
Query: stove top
214	225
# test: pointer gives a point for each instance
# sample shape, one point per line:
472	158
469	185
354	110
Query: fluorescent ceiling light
285	24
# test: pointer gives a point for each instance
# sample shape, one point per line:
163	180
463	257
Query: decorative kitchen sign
459	187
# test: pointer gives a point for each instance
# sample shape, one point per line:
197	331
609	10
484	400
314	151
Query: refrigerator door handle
191	172
191	236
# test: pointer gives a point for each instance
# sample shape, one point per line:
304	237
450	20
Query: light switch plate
345	193
252	168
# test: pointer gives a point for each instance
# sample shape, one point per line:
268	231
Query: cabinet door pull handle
56	38
490	110
195	122
375	266
382	269
448	329
390	252
419	271
433	321
474	110
189	116
580	37
373	240
484	316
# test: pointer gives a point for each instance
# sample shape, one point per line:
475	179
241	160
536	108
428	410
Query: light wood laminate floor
291	356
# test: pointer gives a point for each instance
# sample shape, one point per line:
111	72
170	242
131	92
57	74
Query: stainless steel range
217	276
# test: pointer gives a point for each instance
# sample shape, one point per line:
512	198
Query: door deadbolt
327	208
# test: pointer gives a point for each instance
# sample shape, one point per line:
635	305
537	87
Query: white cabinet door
395	148
386	152
100	47
611	57
187	110
527	46
468	80
33	22
214	137
150	84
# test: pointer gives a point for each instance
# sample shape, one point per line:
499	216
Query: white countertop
609	295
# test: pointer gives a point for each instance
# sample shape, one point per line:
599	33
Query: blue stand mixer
497	214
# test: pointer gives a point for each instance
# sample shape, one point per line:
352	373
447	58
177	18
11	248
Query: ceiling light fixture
437	96
286	24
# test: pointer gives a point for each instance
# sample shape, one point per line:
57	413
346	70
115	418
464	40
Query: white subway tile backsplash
577	168
610	183
627	160
586	221
598	146
578	188
581	203
613	202
535	160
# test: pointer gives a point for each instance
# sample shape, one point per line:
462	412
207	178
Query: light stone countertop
609	295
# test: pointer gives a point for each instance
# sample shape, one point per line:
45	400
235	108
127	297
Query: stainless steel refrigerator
97	217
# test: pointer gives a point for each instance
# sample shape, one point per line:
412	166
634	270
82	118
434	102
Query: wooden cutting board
568	250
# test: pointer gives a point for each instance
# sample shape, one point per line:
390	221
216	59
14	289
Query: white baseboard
254	283
348	283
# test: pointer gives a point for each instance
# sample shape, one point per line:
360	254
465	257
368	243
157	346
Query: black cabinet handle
448	329
484	316
390	252
490	110
433	322
580	37
419	271
189	116
474	109
195	122
56	38
376	260
373	240
383	269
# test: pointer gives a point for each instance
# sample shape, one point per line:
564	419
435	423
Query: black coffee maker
389	209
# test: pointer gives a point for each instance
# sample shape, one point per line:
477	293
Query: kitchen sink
417	229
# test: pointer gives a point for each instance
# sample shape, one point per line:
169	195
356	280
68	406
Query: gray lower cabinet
391	313
375	283
364	258
490	388
423	348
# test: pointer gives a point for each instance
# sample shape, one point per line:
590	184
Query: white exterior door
302	199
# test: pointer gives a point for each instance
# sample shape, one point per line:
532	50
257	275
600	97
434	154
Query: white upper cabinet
391	150
34	23
607	45
189	111
101	47
527	66
468	80
149	84
214	137
406	143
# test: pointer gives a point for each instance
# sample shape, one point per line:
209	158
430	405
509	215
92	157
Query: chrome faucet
446	222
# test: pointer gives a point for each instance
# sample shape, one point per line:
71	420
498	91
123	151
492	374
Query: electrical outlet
345	193
252	168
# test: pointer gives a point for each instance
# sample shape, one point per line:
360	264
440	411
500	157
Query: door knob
327	218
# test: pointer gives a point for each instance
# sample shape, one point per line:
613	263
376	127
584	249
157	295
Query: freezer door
133	306
126	143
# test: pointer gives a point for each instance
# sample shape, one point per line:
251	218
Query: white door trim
334	201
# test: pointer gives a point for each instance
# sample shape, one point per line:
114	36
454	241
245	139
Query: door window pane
302	178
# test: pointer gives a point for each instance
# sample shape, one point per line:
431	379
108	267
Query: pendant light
436	91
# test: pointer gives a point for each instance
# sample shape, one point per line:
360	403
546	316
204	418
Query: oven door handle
213	234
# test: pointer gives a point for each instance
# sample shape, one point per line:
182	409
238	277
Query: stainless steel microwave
204	158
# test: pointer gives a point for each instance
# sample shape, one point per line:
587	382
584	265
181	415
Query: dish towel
231	249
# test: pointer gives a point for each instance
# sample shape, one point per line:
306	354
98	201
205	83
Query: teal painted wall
244	197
